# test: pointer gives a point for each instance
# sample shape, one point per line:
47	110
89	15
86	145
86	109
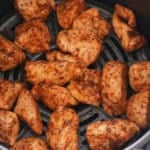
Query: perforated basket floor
111	51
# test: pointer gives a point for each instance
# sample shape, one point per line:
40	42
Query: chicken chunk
68	10
53	96
9	127
129	37
127	14
139	76
28	111
33	36
91	20
30	143
114	88
34	9
84	46
8	93
110	134
62	130
85	92
138	109
57	72
10	55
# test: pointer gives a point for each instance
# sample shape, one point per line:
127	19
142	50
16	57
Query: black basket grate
111	51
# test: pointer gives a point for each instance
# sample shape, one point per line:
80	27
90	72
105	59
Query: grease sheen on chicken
9	127
91	20
110	134
9	92
30	143
52	73
53	96
62	130
129	37
138	109
34	9
10	55
84	45
68	10
33	36
28	111
114	88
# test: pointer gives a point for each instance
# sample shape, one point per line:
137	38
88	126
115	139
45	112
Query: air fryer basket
112	50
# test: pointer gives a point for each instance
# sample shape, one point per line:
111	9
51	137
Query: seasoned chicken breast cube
110	134
53	96
114	88
57	72
68	10
28	111
34	9
91	20
84	46
30	143
138	109
9	127
139	76
8	93
33	36
62	130
85	92
129	37
10	55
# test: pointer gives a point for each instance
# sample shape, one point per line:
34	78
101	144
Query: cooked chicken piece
84	46
110	134
114	88
126	14
85	92
129	37
8	93
138	109
10	55
59	56
62	130
33	36
9	127
34	9
91	20
68	10
28	111
139	76
53	96
92	75
57	72
30	143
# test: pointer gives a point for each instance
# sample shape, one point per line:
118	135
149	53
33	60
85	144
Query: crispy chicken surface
34	9
114	88
52	73
62	130
138	109
8	93
30	143
68	10
85	92
53	96
33	36
91	20
84	45
10	55
9	127
110	134
129	37
139	75
28	111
